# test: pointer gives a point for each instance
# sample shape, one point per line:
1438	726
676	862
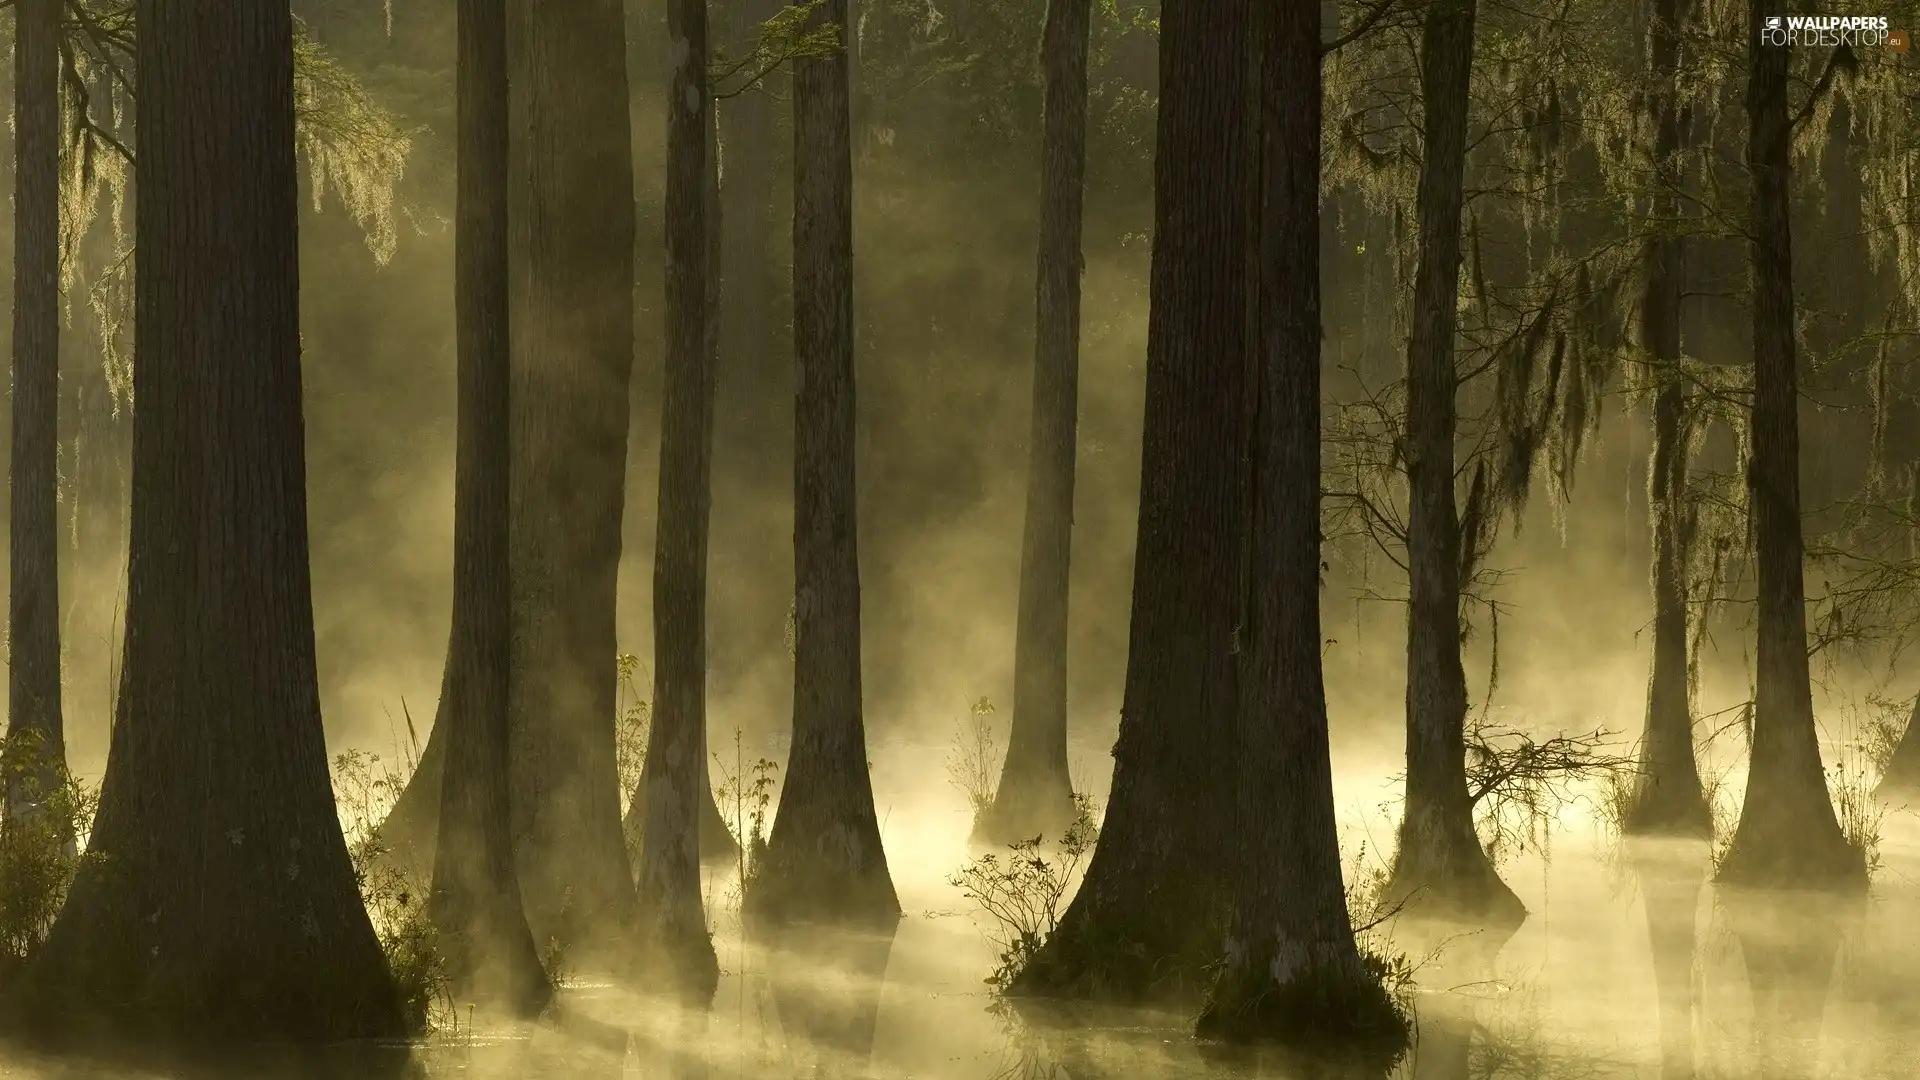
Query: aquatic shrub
1023	891
973	762
745	797
365	789
40	853
632	723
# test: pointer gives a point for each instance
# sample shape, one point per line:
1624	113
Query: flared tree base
1160	954
1320	1015
1031	809
1448	878
675	963
1767	860
1667	806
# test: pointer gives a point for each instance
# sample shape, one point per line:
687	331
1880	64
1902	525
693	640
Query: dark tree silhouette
572	229
824	860
1439	859
1149	916
1292	970
222	904
1035	793
1788	835
673	922
476	901
34	723
1668	796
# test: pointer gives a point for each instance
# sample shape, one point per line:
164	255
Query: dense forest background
947	162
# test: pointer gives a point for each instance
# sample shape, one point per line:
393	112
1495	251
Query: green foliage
974	760
365	789
1023	892
791	34
41	849
745	796
632	725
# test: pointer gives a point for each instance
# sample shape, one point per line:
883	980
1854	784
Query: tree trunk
1668	796
410	827
1292	970
222	904
1439	863
476	902
824	860
673	923
753	449
1149	916
1788	834
34	727
1035	794
572	228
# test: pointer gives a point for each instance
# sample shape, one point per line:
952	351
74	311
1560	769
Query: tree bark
1292	971
1668	796
222	904
1439	862
824	860
1035	793
476	902
673	926
572	228
34	725
1149	916
1788	835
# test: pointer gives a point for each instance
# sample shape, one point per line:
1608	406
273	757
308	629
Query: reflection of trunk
1670	879
824	858
1788	834
1789	950
33	545
672	920
1444	1050
223	904
573	337
1439	855
476	892
826	985
1035	794
1668	797
1291	967
1148	917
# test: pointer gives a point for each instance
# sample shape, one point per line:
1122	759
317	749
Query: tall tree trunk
411	826
572	230
1668	796
34	727
1439	862
673	923
753	451
824	860
1035	794
223	903
1788	834
476	900
1292	970
1149	916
